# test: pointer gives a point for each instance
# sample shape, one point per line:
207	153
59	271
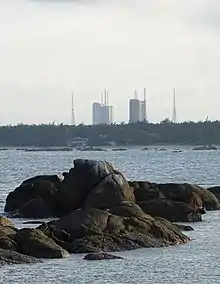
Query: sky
50	48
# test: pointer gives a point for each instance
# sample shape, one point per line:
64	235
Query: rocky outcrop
101	256
89	184
95	230
173	211
87	177
35	243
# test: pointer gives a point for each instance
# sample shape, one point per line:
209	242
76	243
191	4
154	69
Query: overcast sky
49	48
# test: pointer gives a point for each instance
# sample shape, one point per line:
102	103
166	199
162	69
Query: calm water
195	262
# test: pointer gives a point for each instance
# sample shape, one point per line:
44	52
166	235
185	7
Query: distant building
134	110
137	109
102	112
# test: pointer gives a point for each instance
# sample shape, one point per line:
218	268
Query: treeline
187	133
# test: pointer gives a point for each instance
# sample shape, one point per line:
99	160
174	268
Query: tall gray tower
72	111
174	116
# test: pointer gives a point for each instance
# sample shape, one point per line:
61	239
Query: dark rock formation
37	208
44	187
35	243
84	178
110	191
215	190
210	201
144	190
95	230
173	211
101	256
12	257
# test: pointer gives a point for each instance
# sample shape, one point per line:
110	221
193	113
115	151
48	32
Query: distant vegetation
187	133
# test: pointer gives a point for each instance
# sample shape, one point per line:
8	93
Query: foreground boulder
95	230
35	243
12	257
101	256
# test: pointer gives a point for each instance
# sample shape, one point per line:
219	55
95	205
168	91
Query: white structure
137	109
102	112
96	111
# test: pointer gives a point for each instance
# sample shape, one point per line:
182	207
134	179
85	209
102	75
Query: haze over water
49	48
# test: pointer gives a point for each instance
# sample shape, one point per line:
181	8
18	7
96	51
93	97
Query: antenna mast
174	118
73	112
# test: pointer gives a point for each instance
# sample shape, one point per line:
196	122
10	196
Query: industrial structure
174	116
72	111
102	112
137	109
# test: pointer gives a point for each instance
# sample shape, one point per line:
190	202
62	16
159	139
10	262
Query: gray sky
49	48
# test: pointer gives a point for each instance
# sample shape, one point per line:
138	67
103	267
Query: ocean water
195	262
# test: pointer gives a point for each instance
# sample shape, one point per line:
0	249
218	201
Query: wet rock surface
101	256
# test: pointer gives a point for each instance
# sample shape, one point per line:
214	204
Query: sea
195	262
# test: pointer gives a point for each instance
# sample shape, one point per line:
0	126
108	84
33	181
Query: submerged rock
12	257
184	227
101	256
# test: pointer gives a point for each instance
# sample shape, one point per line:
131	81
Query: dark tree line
194	133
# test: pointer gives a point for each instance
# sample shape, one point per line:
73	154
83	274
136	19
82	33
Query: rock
110	191
12	257
36	208
215	190
210	201
80	181
35	243
54	179
101	256
171	210
127	209
7	237
184	227
95	230
182	193
5	222
144	190
37	187
8	243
